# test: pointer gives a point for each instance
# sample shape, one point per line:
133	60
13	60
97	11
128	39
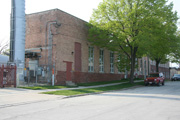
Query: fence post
15	76
1	77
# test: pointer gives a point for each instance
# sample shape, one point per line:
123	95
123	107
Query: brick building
56	42
147	66
174	70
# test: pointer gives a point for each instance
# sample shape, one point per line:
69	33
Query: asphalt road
144	103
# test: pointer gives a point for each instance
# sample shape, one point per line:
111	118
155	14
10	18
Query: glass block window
101	61
111	62
91	59
119	60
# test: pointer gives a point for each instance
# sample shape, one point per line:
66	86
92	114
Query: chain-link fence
7	75
35	74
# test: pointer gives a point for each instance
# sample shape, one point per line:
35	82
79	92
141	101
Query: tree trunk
133	57
157	66
132	71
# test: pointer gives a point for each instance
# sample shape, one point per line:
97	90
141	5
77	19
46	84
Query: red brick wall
60	78
82	77
85	77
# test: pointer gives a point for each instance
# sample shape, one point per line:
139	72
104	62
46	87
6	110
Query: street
143	103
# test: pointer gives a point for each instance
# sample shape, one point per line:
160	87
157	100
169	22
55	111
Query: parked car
154	78
175	77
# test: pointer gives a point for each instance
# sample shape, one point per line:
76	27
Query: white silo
20	27
17	37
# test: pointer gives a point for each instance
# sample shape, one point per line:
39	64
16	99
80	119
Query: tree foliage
174	56
126	26
163	40
123	63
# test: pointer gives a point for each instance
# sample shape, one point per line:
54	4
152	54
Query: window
136	64
152	69
136	61
145	70
101	61
141	67
118	60
111	62
151	62
91	59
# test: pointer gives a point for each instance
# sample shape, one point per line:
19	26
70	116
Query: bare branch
125	51
3	46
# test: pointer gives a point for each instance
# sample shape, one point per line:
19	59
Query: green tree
123	63
174	56
124	26
165	45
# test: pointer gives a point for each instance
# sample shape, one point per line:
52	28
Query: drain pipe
46	35
48	45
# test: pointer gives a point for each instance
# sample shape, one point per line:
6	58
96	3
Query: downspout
48	40
46	36
48	46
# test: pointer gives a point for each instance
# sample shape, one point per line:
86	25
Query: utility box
32	73
39	71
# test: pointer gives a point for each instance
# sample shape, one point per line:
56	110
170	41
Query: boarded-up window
77	56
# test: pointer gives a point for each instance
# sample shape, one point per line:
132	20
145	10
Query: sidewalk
82	87
17	96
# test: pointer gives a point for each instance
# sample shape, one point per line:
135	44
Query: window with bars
111	62
101	61
91	59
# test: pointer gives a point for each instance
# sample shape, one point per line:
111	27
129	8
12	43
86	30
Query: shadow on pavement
141	96
171	91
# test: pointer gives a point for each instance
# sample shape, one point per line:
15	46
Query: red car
154	78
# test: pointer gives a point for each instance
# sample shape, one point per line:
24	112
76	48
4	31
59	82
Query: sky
80	8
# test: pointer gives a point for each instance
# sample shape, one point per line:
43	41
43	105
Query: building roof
176	68
56	9
4	59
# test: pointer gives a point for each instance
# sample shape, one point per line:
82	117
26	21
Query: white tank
20	27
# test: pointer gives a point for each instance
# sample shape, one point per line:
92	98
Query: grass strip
92	90
44	87
105	82
101	83
80	84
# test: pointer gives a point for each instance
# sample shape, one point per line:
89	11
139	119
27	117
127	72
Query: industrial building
57	51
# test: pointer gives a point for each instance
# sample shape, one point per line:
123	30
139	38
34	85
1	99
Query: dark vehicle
154	78
175	77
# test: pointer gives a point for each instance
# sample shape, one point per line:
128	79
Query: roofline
56	10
